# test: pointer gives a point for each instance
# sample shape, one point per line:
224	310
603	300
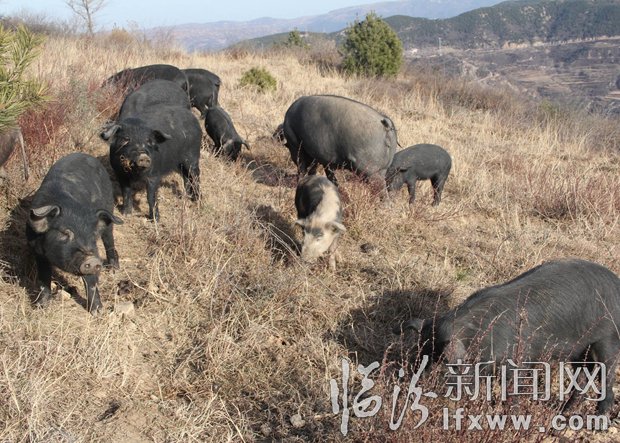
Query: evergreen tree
18	49
295	40
372	48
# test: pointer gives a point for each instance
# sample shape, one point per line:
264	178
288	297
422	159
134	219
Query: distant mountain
564	50
512	22
218	35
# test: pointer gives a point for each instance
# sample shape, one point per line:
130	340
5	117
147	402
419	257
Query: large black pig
337	132
71	209
566	310
150	145
130	78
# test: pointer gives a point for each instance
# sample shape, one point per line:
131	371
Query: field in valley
233	338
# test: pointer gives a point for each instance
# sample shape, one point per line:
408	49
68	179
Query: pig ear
338	227
109	131
38	218
159	136
107	217
415	323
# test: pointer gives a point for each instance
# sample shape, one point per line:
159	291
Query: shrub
372	48
120	38
295	40
259	78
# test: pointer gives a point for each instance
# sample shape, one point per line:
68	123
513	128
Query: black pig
337	132
567	310
154	93
204	88
70	211
419	162
220	128
129	79
151	145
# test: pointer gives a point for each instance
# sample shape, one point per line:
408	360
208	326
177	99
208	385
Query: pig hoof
42	303
96	311
43	298
112	263
332	263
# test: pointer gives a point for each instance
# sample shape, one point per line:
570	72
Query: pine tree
372	48
18	49
295	40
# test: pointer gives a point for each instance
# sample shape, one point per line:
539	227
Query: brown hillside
231	334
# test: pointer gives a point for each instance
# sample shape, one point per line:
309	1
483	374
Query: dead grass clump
454	92
237	52
560	194
120	38
41	127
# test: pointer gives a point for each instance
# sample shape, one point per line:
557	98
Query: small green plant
17	50
372	48
462	274
259	78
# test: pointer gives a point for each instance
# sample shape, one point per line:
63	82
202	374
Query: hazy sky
150	13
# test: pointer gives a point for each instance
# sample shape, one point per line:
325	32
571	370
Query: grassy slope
232	335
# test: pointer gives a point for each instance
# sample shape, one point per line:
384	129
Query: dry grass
232	335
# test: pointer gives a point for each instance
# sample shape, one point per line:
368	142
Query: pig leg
152	184
107	237
313	167
127	198
93	302
377	182
191	180
437	182
575	395
606	351
333	255
331	175
305	163
44	281
411	189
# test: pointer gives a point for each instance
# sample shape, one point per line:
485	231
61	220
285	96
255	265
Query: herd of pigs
567	309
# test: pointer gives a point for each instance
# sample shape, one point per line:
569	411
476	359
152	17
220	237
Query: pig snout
308	256
92	265
143	160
